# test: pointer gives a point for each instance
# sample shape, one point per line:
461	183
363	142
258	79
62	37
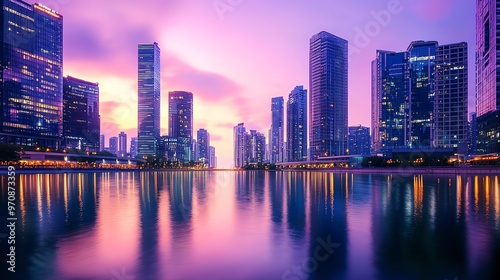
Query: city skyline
239	93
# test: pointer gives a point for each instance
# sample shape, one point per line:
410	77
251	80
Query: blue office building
296	125
277	129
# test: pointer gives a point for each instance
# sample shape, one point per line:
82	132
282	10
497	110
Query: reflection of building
122	144
277	129
487	76
81	120
296	125
328	95
31	80
419	97
148	127
359	140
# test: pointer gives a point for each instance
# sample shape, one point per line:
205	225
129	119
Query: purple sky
236	55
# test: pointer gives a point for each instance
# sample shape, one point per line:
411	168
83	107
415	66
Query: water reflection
256	225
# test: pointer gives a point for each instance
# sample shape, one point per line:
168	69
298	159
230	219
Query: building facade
133	147
203	146
487	76
122	144
81	120
256	147
239	141
296	125
113	145
31	76
419	97
148	125
102	143
277	129
328	76
213	159
180	118
359	140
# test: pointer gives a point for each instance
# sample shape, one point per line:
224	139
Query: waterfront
256	225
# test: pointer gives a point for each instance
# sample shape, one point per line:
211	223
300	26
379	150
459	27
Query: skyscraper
359	140
81	120
133	147
419	97
328	95
102	142
239	145
277	129
122	144
148	99
212	157
203	146
180	119
256	147
451	102
487	76
113	145
296	125
31	81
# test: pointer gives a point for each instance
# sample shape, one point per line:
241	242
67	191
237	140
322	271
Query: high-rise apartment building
180	119
148	126
81	120
213	160
113	145
122	144
203	145
296	125
102	143
419	97
133	147
328	110
277	129
31	76
487	76
239	141
359	140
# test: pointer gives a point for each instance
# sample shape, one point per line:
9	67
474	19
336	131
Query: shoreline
478	170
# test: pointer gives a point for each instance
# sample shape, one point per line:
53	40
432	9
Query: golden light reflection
65	193
418	195
497	201
459	196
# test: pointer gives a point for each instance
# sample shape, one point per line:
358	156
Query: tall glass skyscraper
390	108
239	145
148	126
81	120
31	81
419	97
296	125
487	75
328	78
180	119
277	129
203	144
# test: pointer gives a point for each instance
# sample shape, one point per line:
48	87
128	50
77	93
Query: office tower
277	129
148	126
359	140
180	118
102	143
472	134
390	120
419	97
31	81
122	144
194	148
81	120
487	76
296	125
133	147
256	147
239	145
113	145
328	95
212	157
451	102
203	146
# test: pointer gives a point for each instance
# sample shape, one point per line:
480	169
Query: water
255	225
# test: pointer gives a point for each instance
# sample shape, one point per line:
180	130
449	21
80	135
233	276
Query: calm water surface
255	225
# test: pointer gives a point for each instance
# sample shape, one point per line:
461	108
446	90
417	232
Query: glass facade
277	129
239	145
296	128
256	147
203	144
487	75
390	119
31	81
359	140
176	149
451	102
180	117
148	99
81	120
328	74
